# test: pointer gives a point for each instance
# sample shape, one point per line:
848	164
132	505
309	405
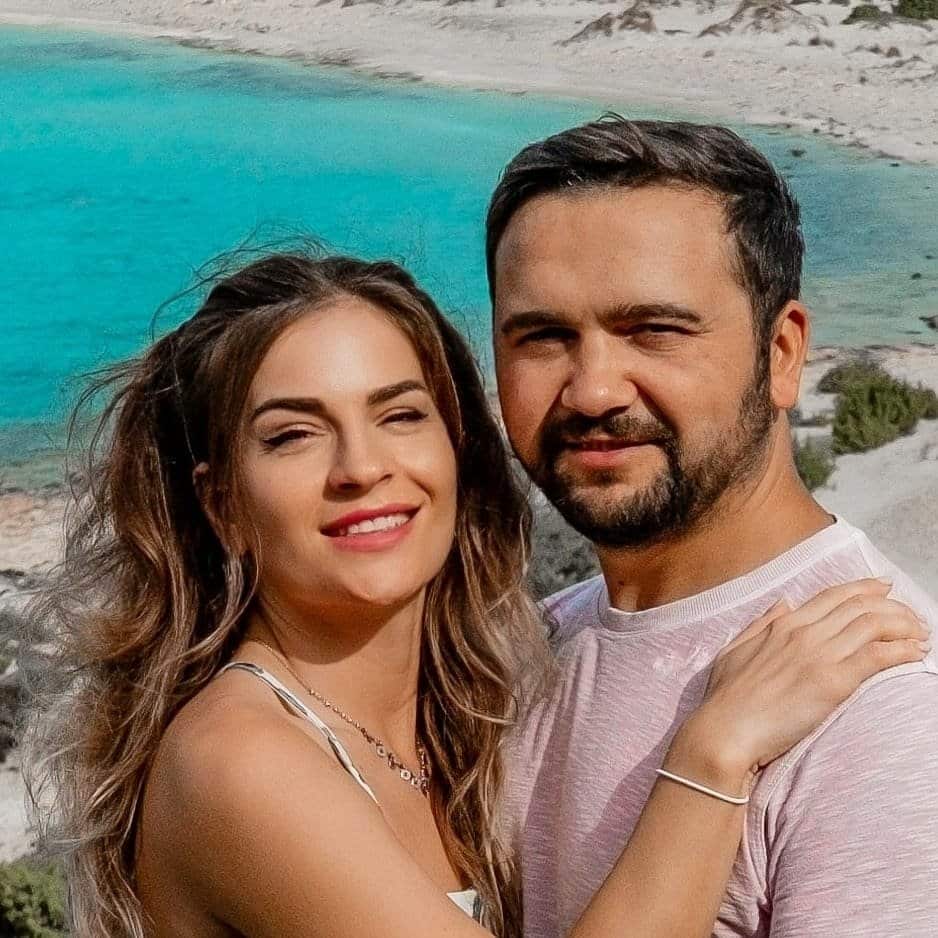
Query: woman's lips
373	533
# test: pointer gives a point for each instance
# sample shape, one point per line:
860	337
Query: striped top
468	899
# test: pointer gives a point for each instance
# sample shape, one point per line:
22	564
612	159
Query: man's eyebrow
530	319
629	312
314	406
637	312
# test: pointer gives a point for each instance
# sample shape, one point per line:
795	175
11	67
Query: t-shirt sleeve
853	842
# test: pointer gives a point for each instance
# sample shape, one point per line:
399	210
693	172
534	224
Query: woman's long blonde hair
150	602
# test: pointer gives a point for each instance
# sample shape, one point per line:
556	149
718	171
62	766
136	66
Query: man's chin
609	486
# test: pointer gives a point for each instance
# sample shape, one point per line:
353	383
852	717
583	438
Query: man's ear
788	352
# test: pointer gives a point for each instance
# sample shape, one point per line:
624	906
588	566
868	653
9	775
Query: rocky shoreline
852	71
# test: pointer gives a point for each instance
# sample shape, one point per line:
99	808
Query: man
649	341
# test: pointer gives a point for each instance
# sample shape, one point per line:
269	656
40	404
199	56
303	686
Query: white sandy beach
767	61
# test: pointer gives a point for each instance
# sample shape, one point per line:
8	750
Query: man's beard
680	495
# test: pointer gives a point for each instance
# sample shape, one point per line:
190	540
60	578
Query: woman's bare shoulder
230	741
253	818
230	756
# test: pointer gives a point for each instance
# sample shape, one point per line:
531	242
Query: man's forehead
661	240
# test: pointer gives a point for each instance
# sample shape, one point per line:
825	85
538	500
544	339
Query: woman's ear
788	352
200	482
205	492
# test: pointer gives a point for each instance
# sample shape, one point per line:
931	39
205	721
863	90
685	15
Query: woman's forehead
349	347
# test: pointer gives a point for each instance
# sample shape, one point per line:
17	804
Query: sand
769	62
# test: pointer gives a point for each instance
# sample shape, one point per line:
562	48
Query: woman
293	630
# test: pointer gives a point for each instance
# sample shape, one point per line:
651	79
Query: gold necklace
420	781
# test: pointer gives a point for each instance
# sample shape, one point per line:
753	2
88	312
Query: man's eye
545	335
659	328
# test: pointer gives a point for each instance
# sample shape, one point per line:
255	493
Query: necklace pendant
381	750
407	775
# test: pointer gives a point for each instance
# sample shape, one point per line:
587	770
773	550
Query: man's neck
750	527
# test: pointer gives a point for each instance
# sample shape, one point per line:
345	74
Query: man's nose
600	380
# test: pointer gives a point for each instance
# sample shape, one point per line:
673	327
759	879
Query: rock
796	151
12	699
637	17
916	276
768	16
560	556
930	321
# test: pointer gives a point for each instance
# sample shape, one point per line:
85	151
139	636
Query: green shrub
927	400
876	412
865	13
32	901
814	460
850	372
796	418
917	9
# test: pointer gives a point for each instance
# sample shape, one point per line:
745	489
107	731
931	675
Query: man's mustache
577	430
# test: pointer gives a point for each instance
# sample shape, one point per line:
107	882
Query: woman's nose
359	463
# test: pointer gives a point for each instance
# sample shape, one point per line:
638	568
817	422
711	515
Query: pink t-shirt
842	832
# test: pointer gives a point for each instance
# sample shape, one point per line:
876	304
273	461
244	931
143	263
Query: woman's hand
787	672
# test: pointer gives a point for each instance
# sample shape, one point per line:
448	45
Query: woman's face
349	472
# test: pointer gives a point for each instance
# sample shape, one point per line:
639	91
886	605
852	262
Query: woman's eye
286	437
406	416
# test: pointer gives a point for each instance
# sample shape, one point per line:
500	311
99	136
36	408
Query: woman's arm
274	841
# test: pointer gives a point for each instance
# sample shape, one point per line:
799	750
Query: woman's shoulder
225	749
237	784
233	728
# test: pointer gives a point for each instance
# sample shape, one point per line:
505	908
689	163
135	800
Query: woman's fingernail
925	646
884	580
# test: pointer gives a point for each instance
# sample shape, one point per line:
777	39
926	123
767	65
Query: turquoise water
127	164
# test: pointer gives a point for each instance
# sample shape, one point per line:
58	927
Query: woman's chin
388	595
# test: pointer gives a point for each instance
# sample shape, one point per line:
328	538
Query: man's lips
602	453
604	445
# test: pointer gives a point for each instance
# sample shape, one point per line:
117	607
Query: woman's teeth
384	523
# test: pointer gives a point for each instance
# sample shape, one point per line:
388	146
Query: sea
128	165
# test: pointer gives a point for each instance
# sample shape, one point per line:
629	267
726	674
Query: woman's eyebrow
315	407
390	391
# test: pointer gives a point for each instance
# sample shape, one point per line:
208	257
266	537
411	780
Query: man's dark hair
761	212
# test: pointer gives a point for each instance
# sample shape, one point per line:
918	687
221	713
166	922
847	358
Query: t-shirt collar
725	596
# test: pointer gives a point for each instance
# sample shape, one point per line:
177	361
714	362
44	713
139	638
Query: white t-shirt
842	832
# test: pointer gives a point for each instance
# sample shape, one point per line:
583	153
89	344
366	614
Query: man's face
627	366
